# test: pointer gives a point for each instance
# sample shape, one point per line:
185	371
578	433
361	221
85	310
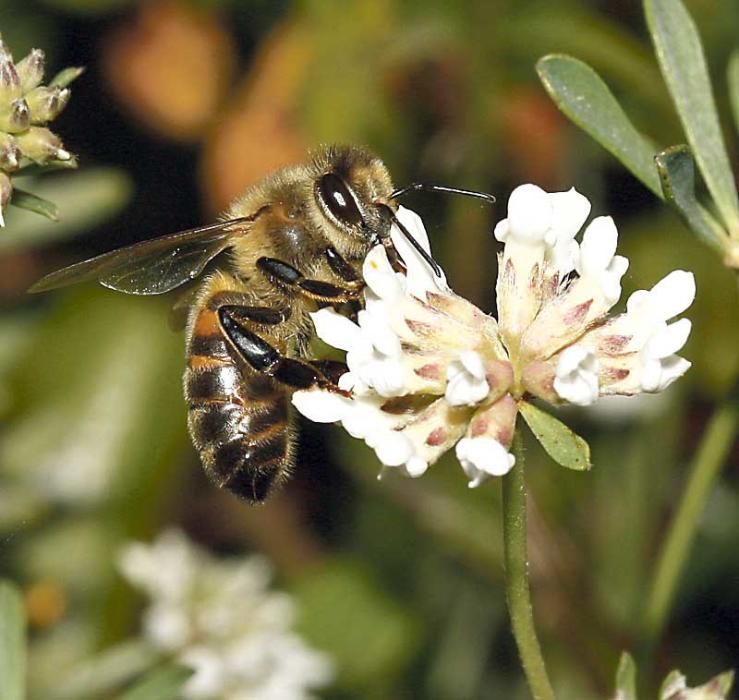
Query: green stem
517	580
712	451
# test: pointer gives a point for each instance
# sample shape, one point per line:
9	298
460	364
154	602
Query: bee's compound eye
339	200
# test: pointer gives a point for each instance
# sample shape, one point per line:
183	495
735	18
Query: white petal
394	449
576	377
673	294
598	246
501	231
657	375
335	329
420	278
569	211
466	382
320	406
529	214
481	457
380	276
378	332
416	466
668	340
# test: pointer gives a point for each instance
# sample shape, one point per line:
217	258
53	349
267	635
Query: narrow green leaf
680	55
733	79
163	683
677	175
34	203
583	96
12	643
66	76
626	678
563	445
84	200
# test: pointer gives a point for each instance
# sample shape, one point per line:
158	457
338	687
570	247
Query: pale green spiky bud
10	154
41	145
31	70
46	103
16	117
10	84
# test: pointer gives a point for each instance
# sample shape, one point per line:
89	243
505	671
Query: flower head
427	370
26	107
220	618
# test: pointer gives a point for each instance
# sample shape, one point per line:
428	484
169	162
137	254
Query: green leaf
677	175
561	444
12	643
626	678
683	65
84	200
733	80
160	684
66	76
583	96
34	203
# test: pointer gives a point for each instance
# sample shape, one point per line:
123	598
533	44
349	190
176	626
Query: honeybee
295	241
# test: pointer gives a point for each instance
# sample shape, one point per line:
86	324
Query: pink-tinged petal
335	329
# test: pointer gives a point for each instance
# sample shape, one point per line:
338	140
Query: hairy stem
710	456
517	579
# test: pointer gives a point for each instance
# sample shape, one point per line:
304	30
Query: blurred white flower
219	617
428	370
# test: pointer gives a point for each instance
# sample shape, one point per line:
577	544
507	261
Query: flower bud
41	145
6	191
46	103
10	84
16	117
31	70
9	153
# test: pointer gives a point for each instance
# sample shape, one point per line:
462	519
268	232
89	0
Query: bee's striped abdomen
238	419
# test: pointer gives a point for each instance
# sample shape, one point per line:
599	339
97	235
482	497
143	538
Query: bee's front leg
266	359
285	275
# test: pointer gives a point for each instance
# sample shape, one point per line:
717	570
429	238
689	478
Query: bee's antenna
425	187
409	237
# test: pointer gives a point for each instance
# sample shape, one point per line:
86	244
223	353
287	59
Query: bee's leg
267	359
286	275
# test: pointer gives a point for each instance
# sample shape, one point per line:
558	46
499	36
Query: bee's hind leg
265	358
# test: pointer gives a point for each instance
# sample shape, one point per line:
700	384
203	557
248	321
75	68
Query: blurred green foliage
400	580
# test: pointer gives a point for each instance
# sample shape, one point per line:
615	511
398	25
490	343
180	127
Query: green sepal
563	445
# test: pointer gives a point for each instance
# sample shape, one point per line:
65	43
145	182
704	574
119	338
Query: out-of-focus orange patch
534	136
45	603
260	131
170	67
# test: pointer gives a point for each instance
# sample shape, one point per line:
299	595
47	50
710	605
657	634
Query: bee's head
350	186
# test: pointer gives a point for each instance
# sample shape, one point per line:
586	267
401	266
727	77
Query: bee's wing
150	267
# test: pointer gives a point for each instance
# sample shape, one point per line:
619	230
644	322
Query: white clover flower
427	370
219	618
